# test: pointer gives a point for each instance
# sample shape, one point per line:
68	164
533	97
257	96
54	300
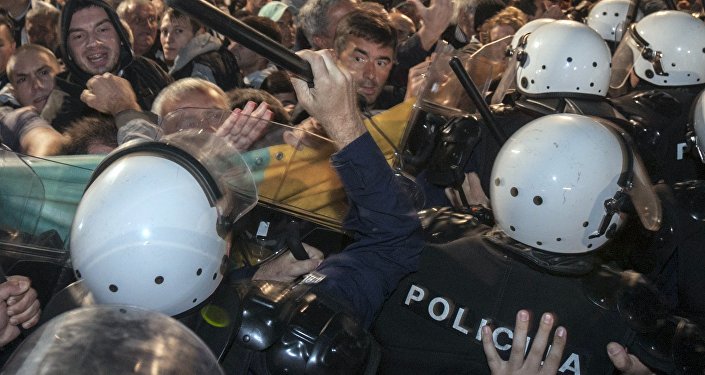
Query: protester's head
94	39
365	43
42	25
239	98
90	135
189	93
283	15
142	18
279	85
31	71
7	40
177	30
507	22
403	25
318	20
248	60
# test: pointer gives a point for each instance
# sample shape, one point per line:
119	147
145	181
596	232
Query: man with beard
95	42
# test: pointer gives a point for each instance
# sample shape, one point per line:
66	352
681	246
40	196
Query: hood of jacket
200	44
76	74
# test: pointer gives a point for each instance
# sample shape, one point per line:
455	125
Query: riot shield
443	99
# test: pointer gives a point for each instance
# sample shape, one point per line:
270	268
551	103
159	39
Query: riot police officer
657	71
559	189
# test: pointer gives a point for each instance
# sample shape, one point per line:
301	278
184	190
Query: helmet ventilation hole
78	274
592	84
616	14
673	65
532	81
123	311
512	228
514	191
558	239
194	300
570	59
604	13
158	280
199	272
543	67
589	246
594	64
538	200
524	82
497	181
215	275
577	88
585	224
539	243
113	288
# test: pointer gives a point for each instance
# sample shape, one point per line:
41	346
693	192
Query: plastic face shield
635	184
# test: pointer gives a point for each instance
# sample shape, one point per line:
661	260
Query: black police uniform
660	116
432	323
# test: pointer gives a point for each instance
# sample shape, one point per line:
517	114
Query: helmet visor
637	184
622	63
225	165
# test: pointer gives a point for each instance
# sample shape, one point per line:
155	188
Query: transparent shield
225	164
112	340
507	84
21	197
443	98
644	199
622	63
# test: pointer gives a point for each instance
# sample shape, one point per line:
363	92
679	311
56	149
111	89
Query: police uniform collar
558	264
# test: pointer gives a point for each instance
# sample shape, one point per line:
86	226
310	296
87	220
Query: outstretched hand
435	19
533	363
245	126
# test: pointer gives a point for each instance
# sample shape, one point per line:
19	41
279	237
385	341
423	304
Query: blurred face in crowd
142	19
176	32
7	46
42	31
403	24
287	29
334	15
205	98
93	41
500	31
32	76
369	63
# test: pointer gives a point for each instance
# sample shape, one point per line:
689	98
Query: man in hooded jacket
94	42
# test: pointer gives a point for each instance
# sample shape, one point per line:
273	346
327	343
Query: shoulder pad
445	224
691	197
658	101
502	109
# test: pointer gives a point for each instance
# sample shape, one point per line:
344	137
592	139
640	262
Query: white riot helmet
564	58
152	228
559	182
610	17
507	83
666	48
